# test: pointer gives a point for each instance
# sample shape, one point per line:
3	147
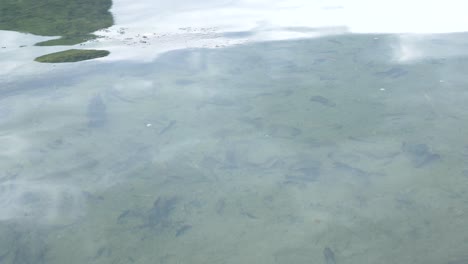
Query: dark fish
249	215
404	201
344	158
335	41
318	61
97	113
255	122
322	100
184	82
465	151
356	174
220	205
238	34
123	215
304	171
327	78
315	143
360	139
283	131
92	197
103	251
465	173
305	163
381	155
4	112
230	160
459	261
329	256
221	101
183	230
127	215
420	154
158	215
303	175
394	73
349	169
168	127
33	250
210	163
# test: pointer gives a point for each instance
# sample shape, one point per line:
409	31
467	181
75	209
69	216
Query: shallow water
344	148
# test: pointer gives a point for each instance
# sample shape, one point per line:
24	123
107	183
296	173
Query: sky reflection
146	29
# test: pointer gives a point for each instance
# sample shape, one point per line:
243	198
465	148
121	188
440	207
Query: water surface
333	147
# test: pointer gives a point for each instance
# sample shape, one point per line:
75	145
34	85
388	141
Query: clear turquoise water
322	150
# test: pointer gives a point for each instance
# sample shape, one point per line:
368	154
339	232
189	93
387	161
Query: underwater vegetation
72	55
73	20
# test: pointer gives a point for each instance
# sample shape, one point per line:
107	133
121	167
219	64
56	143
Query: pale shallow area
285	132
145	29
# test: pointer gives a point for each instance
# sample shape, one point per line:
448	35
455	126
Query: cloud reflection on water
275	20
146	29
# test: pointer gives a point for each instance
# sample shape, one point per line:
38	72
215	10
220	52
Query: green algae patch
73	20
67	40
72	55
